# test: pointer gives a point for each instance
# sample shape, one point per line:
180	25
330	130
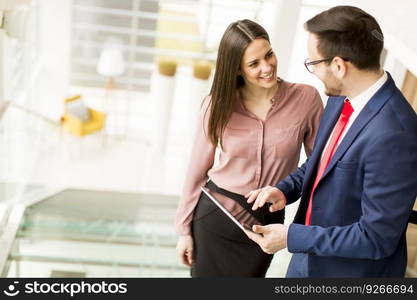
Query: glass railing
22	136
50	229
97	234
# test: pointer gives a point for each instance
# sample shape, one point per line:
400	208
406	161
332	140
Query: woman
256	122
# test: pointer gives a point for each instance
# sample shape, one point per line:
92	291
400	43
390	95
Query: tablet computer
227	213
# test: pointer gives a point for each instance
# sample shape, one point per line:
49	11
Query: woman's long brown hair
227	80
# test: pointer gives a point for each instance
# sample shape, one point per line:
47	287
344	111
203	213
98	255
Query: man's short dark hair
350	33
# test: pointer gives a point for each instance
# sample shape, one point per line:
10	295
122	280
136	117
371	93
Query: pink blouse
255	153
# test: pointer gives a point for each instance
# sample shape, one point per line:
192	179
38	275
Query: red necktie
328	153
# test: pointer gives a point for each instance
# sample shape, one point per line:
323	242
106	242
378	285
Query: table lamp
111	63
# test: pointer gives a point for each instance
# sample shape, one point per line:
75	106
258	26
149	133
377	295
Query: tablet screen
231	217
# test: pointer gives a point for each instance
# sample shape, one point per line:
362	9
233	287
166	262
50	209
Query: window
147	30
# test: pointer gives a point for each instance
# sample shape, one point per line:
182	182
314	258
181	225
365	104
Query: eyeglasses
310	64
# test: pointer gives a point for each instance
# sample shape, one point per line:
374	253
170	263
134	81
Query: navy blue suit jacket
362	204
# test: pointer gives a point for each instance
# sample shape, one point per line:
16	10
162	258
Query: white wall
398	23
280	19
3	68
54	38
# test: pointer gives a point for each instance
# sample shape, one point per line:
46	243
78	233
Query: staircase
103	234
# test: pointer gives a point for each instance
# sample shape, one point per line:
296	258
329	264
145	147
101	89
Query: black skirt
221	249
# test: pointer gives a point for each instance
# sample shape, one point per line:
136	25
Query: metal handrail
33	113
96	262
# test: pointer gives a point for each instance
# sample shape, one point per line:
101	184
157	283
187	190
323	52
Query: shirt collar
359	102
278	97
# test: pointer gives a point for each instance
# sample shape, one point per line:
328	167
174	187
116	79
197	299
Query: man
359	185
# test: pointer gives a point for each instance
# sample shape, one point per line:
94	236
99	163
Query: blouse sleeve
313	121
201	161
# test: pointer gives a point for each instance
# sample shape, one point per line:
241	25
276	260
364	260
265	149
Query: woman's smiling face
259	64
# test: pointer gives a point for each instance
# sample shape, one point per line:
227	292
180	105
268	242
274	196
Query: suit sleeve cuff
298	238
285	189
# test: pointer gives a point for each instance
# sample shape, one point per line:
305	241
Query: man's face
333	86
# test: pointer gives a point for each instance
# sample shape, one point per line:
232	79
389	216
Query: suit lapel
366	115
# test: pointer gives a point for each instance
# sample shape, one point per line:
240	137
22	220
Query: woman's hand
185	246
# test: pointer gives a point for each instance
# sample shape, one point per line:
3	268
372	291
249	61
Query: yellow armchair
80	128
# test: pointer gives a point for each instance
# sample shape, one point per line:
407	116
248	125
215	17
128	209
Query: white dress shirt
358	103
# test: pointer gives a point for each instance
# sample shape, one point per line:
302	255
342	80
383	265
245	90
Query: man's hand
267	194
185	249
272	239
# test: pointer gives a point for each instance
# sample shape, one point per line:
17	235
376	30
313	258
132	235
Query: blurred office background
101	202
